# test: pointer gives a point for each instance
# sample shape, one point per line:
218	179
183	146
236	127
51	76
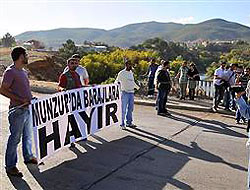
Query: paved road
191	150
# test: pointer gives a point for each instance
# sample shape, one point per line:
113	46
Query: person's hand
239	94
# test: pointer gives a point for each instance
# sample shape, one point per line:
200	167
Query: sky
17	16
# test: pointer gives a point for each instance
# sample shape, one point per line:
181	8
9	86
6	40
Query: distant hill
132	34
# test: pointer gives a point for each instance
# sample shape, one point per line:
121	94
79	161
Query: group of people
225	78
15	85
187	76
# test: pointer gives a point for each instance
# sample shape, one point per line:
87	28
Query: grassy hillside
215	29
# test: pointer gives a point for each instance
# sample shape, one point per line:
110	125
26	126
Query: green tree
69	48
104	67
8	40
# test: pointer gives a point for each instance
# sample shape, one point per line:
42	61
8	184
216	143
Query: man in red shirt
70	79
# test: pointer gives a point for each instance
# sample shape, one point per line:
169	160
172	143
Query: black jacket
163	80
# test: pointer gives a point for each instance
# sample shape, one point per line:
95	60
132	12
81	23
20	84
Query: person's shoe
214	109
131	125
14	172
161	114
123	127
244	121
31	161
72	145
227	109
237	121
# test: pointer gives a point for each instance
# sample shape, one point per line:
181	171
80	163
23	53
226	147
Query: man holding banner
70	79
126	79
15	86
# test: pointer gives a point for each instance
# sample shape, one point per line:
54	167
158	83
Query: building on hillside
89	48
33	44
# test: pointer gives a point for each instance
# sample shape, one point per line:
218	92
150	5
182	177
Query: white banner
72	115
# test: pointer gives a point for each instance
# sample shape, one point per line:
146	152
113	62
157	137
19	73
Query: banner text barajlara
49	109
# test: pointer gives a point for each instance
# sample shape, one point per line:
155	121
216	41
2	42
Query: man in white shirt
230	79
81	71
126	79
219	77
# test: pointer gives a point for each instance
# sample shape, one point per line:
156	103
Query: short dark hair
164	62
17	51
234	64
76	56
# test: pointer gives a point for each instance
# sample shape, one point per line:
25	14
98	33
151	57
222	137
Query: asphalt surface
190	150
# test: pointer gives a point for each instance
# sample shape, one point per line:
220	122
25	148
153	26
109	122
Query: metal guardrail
204	89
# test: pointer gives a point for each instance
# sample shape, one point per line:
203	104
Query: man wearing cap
219	77
126	79
70	79
15	86
81	71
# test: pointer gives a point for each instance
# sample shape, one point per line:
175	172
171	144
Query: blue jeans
20	125
127	107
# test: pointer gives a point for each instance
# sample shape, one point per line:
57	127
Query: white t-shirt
126	78
81	71
156	74
220	73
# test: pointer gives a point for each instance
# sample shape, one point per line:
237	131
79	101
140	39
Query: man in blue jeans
244	109
126	79
15	86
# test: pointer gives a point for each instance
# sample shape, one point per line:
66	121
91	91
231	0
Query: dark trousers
218	96
161	100
191	93
151	86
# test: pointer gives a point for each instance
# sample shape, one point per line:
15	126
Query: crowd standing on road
231	84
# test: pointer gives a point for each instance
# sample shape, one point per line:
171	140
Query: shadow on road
193	151
212	126
127	163
19	183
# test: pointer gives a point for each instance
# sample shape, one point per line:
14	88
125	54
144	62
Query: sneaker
14	172
131	125
72	145
214	109
161	114
31	161
244	121
123	127
237	122
227	109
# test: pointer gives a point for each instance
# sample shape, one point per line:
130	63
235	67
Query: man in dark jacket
163	85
